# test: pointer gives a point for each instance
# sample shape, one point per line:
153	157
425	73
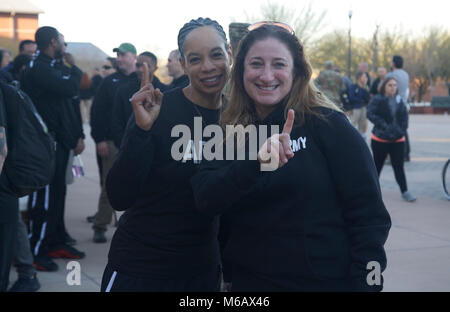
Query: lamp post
375	49
349	62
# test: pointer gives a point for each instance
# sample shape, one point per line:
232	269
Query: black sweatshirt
313	224
122	109
161	234
102	106
51	85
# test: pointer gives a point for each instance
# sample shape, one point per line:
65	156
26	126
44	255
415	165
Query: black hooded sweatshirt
161	234
313	224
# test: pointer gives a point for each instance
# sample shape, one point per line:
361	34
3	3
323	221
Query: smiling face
268	73
206	61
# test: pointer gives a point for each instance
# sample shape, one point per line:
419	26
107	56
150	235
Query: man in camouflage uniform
330	83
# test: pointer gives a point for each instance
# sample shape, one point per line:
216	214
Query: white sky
154	25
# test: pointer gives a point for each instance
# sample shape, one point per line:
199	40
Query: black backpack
30	162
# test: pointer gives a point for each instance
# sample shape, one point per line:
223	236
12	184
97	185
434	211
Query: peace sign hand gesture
276	151
146	103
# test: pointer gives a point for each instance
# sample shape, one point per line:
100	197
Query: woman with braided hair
162	242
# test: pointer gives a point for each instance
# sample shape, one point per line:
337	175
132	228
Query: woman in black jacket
306	209
389	116
162	242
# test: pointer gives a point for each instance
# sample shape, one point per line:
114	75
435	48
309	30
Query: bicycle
446	179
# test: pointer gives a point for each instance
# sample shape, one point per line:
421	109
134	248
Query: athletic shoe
45	263
26	284
69	240
66	252
408	196
99	236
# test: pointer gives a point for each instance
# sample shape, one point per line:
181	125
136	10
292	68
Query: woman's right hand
276	151
146	103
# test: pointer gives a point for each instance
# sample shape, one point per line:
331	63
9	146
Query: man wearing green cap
101	116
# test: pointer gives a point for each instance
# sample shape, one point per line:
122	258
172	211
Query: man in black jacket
74	126
50	86
101	113
122	107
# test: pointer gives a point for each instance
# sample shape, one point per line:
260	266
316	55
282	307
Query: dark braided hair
194	24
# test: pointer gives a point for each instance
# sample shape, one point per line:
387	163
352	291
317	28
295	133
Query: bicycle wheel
446	179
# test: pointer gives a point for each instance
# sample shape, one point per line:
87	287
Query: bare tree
332	46
306	22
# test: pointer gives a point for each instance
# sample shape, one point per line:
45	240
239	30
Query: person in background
402	78
110	67
101	131
28	47
50	86
377	82
19	64
359	98
364	67
96	81
85	97
175	70
5	65
5	58
97	78
8	201
389	116
27	280
122	109
331	83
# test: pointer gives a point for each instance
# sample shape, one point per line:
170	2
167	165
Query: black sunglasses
106	67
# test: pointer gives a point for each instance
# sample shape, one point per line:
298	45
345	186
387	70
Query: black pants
407	146
8	232
46	208
396	152
115	281
99	164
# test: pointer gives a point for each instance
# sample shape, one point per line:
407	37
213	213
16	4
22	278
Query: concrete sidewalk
418	247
